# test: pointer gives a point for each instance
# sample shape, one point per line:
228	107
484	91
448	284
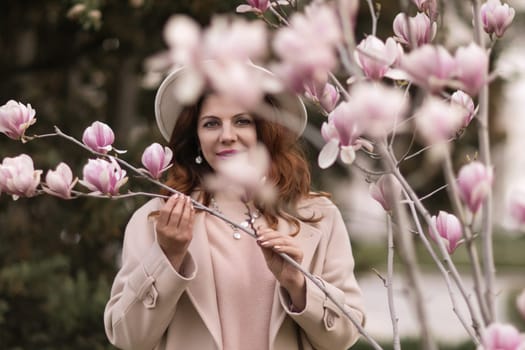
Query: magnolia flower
15	118
245	174
464	100
474	183
500	336
342	133
375	57
327	96
60	181
256	6
156	159
449	228
472	64
385	191
430	67
103	177
18	176
496	17
307	46
183	35
99	137
517	206
428	6
520	303
438	121
422	29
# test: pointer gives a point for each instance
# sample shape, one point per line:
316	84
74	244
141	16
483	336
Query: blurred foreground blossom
496	17
245	174
520	303
500	336
156	159
449	228
438	121
422	29
307	47
465	101
385	191
99	137
60	182
375	57
15	118
103	177
18	176
474	183
516	206
472	64
431	67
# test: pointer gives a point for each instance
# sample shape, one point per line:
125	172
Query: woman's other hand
175	228
290	278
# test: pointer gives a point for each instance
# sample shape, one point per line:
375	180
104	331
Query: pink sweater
241	279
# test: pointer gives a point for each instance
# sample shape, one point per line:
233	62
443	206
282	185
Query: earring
198	159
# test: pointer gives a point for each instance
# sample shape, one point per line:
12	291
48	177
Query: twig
390	284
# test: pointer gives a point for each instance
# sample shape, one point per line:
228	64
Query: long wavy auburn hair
289	171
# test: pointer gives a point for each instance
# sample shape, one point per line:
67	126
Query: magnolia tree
365	90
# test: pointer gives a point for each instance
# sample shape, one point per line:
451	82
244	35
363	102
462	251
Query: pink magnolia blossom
245	174
474	183
422	29
18	176
256	6
375	57
520	303
464	100
501	336
496	17
15	118
99	137
385	191
156	159
449	228
103	177
517	206
327	96
472	64
183	36
378	119
342	133
60	182
430	7
438	121
430	67
307	46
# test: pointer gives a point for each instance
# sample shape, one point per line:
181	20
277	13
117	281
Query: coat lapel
201	290
308	238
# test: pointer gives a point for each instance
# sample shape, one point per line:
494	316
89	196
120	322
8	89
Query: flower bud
375	57
60	181
256	6
464	100
496	17
474	184
18	176
385	191
99	137
449	228
421	29
156	159
500	336
103	177
15	118
472	64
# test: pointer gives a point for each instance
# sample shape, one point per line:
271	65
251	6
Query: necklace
236	234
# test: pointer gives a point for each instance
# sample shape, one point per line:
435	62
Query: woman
191	281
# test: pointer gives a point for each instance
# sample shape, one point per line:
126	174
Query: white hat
167	108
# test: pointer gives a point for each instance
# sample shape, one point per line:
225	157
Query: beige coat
154	307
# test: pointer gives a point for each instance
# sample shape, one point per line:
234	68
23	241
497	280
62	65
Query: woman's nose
228	133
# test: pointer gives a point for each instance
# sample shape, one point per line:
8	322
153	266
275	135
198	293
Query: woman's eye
210	124
244	121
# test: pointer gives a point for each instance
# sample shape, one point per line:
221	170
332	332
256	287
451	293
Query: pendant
236	235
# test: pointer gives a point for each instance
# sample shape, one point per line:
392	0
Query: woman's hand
175	228
272	243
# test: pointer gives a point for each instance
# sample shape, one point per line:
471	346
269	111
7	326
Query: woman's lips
227	153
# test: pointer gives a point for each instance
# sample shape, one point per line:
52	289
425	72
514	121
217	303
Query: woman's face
224	129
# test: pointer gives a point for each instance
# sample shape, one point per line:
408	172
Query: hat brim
168	108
